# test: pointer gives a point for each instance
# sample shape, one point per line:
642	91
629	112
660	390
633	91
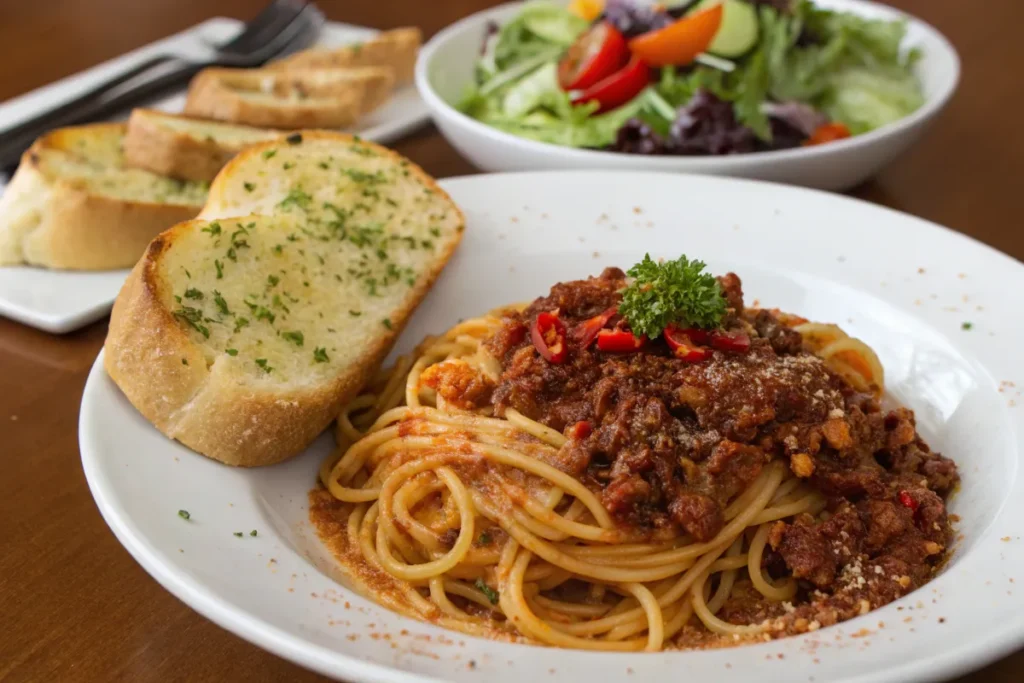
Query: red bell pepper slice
683	346
828	132
618	88
548	336
679	43
599	52
586	332
619	341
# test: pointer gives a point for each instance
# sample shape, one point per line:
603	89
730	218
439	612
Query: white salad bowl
445	67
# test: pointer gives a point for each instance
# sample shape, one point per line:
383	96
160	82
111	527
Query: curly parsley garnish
678	292
489	593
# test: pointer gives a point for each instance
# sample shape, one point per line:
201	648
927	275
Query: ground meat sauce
669	443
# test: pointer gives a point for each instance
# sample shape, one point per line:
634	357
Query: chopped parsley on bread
242	333
73	204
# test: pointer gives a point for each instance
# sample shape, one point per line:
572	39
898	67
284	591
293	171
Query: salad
698	78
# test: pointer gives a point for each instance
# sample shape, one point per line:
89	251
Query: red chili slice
580	430
548	336
683	346
586	332
737	342
732	341
619	341
907	501
695	334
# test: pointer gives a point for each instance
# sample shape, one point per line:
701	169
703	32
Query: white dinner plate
941	310
61	301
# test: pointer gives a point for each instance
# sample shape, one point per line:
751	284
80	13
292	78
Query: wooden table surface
74	606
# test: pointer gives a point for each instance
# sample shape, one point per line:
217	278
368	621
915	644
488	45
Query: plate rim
968	656
217	609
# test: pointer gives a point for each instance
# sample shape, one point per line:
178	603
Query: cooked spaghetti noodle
449	508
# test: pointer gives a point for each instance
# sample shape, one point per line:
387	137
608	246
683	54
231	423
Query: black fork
283	27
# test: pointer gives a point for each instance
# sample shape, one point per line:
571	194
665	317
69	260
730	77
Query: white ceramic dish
57	301
445	66
527	231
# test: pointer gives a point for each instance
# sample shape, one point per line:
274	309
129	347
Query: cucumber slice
739	31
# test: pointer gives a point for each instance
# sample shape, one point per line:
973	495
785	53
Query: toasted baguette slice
243	337
311	98
395	49
187	148
73	205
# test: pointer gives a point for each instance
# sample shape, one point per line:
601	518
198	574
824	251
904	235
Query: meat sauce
668	443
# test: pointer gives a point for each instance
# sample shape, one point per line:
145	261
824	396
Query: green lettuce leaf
531	91
745	87
557	121
537	28
552	23
865	99
856	71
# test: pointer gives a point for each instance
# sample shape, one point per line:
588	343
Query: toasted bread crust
396	49
165	374
212	95
159	149
58	223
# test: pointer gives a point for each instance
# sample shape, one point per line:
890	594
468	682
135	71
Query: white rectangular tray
60	301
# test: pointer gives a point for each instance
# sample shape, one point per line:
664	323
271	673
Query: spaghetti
446	505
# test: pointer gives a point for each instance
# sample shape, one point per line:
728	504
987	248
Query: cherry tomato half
617	89
599	52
